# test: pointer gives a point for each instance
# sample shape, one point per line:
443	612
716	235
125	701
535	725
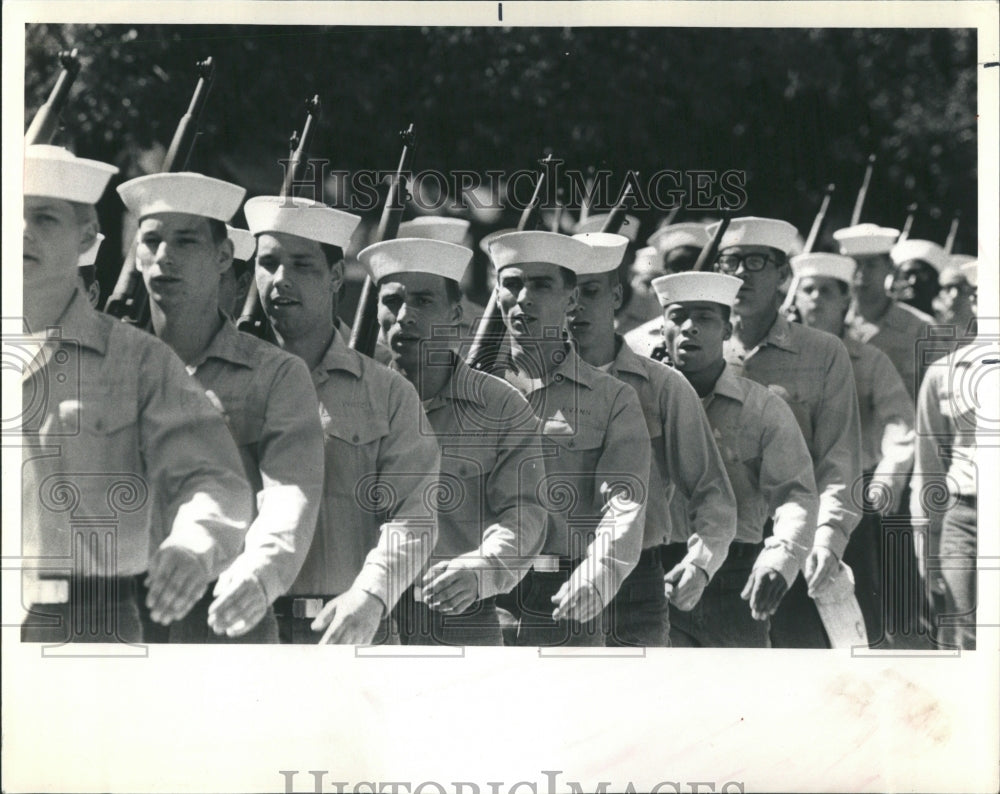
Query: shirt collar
853	345
780	335
81	322
339	356
228	344
727	385
627	360
574	368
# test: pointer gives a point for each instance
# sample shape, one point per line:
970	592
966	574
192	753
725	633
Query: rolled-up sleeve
193	463
696	467
408	468
290	459
894	414
621	479
789	487
512	489
931	460
837	454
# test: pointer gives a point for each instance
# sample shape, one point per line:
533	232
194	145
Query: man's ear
94	293
225	258
456	313
617	296
88	235
572	299
727	331
336	277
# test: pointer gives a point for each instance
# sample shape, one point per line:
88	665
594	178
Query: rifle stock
949	243
485	350
45	124
911	213
364	332
707	256
253	318
788	304
859	202
129	300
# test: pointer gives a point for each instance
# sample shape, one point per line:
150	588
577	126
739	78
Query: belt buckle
49	591
546	563
306	608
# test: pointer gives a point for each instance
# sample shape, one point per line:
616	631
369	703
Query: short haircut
218	231
452	290
88	273
334	253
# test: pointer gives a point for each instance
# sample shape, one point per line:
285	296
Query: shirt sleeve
512	489
193	463
290	458
621	480
931	460
837	454
788	485
408	464
894	414
695	466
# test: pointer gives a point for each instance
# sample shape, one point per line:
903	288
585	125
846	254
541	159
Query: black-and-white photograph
543	355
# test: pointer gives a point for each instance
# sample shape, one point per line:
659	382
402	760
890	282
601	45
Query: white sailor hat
771	232
415	255
89	257
606	252
677	234
484	244
301	217
971	272
595	223
518	248
244	243
647	262
866	239
187	192
824	265
57	173
685	287
429	227
924	250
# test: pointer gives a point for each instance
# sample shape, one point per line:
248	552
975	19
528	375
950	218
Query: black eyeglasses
730	263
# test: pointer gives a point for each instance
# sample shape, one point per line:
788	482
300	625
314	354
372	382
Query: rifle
45	124
911	213
129	301
364	332
949	244
617	217
707	256
788	304
253	319
859	202
486	345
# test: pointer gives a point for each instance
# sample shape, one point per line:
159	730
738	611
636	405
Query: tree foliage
795	109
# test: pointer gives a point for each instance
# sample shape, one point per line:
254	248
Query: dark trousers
640	615
864	555
721	619
957	621
194	628
420	625
99	610
535	626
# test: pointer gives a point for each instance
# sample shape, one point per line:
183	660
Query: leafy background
795	109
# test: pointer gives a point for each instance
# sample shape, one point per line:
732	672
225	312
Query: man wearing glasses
811	371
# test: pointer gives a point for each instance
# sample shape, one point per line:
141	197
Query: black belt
62	589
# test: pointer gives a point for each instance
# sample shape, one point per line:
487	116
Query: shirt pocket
570	466
352	442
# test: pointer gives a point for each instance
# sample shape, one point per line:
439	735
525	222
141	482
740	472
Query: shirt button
99	424
356	438
572	443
